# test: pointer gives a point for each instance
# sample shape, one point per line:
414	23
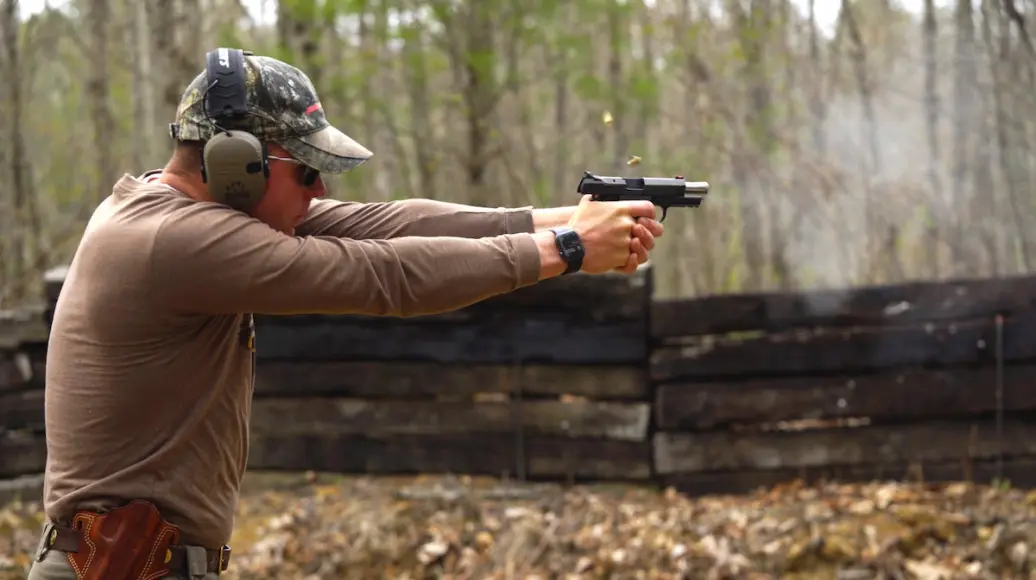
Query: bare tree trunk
697	273
478	97
99	15
396	168
423	135
985	199
640	132
1012	163
931	100
17	255
144	119
190	54
751	145
963	139
368	69
297	33
560	66
8	12
858	55
816	101
1016	16
470	35
162	17
370	51
530	183
618	45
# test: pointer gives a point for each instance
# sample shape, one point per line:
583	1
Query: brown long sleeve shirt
149	367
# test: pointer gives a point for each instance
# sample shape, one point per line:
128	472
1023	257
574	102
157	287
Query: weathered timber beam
580	296
907	394
934	441
405	379
286	417
1019	471
530	339
545	458
22	369
22	454
867	306
850	351
22	410
53	280
22	327
24	488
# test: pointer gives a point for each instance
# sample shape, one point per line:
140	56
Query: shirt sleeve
412	217
210	260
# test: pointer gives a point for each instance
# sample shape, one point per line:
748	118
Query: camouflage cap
283	108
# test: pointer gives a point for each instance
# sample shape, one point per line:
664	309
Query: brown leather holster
131	542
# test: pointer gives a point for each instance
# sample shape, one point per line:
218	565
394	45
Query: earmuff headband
225	98
234	162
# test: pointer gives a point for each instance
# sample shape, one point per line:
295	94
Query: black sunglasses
308	176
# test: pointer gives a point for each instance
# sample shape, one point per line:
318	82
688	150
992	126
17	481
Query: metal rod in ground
999	397
519	431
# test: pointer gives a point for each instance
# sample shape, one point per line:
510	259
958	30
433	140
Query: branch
1019	20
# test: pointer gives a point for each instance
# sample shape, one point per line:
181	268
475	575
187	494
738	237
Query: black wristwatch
570	247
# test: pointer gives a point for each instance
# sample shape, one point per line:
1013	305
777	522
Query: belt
68	539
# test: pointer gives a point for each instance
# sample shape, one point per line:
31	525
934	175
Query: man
149	367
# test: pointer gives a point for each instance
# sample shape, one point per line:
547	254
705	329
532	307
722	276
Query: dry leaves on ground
459	529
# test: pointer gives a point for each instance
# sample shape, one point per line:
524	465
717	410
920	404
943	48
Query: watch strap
570	248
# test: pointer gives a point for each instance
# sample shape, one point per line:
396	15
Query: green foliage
689	107
590	87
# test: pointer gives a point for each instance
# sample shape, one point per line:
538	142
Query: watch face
570	248
569	245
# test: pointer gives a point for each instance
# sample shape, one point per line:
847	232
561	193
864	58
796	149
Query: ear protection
234	162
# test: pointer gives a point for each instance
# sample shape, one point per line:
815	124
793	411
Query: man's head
279	107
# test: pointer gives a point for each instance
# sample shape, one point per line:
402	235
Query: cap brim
328	150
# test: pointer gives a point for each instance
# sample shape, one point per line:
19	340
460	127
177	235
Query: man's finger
639	208
653	226
639	250
631	265
641	233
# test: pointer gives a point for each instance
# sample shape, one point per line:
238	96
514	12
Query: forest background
847	142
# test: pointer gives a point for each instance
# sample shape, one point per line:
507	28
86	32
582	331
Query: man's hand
642	239
645	230
611	237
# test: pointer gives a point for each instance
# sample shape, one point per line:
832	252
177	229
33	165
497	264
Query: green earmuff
234	165
234	162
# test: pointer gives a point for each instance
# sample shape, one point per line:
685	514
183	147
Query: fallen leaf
477	527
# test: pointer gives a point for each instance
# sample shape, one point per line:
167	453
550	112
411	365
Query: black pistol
665	192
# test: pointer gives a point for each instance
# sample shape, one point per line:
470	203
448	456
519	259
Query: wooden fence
590	379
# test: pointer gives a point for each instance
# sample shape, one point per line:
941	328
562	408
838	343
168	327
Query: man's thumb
641	208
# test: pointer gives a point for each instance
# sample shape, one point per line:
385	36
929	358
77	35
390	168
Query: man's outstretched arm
551	217
424	218
216	260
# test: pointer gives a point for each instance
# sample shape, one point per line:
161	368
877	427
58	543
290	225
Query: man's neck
191	186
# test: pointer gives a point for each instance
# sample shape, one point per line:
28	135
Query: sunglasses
308	175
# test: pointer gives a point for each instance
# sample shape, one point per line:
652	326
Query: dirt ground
308	527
